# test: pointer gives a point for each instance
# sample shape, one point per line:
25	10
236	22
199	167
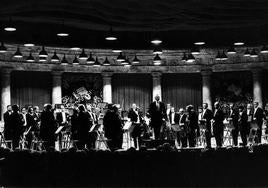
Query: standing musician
207	116
233	116
182	133
157	111
135	116
92	134
217	123
258	117
192	121
7	123
62	120
31	127
243	124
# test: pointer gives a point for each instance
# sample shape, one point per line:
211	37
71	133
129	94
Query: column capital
107	74
156	74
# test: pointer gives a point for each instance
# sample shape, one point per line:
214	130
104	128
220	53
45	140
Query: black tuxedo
208	115
218	118
193	127
258	117
182	134
176	117
7	125
16	122
157	115
243	126
136	133
235	116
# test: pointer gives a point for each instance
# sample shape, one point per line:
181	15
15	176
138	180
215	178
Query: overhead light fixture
247	53
3	49
111	36
42	59
224	56
184	57
62	32
90	59
264	49
10	27
135	60
218	56
106	62
127	64
18	54
253	53
126	61
156	41
83	55
200	43
239	43
190	58
157	50
195	51
43	53
97	63
28	44
157	60
30	58
120	57
55	58
64	60
75	48
75	61
231	50
116	50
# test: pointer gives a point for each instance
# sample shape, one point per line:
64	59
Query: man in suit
62	120
233	116
207	116
16	122
258	116
192	119
135	117
157	111
243	124
7	123
217	123
182	133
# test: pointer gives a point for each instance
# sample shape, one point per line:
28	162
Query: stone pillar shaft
56	88
6	90
206	88
157	84
257	87
107	87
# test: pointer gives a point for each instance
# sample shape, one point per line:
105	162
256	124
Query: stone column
157	84
107	87
206	87
6	90
257	86
56	87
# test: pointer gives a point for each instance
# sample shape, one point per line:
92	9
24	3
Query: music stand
5	142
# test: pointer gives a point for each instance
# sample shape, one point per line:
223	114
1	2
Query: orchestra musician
182	133
16	122
92	135
258	116
233	116
62	120
192	122
157	111
31	126
217	123
207	116
243	124
7	123
135	116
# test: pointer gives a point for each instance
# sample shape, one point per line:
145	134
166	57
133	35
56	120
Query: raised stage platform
187	168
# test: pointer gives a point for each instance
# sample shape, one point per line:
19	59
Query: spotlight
247	53
97	63
135	60
253	53
200	43
156	41
90	59
18	54
120	57
231	50
43	53
64	60
239	43
264	50
28	44
157	60
3	49
10	27
190	58
157	50
30	58
75	61
75	48
111	36
83	55
55	58
106	62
